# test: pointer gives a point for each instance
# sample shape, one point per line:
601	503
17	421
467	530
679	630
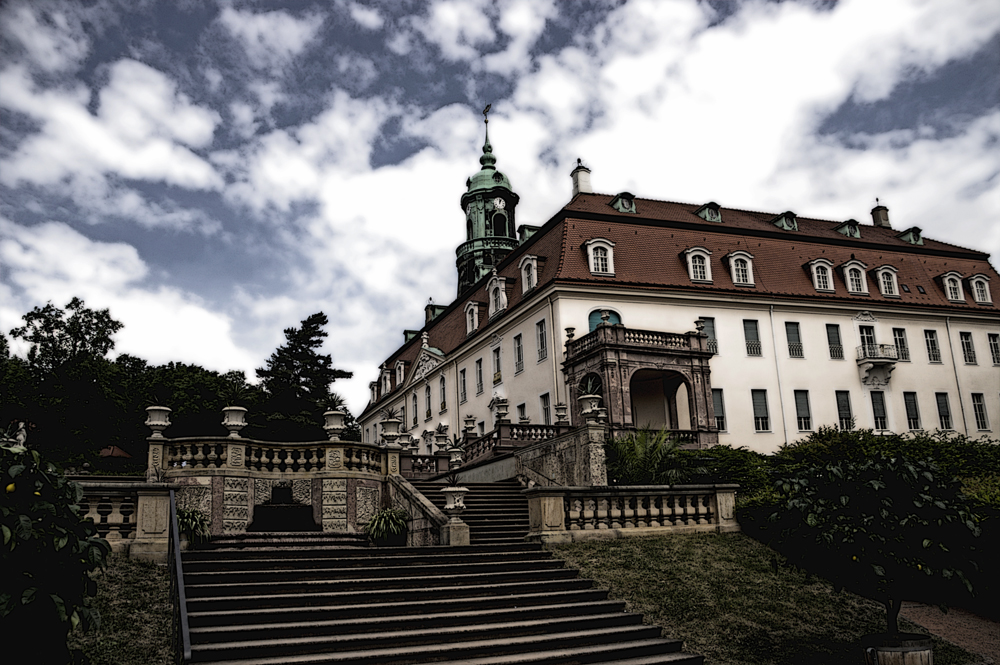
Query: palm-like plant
646	457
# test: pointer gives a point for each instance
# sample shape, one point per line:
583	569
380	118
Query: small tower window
601	257
886	277
855	280
498	294
529	273
854	277
699	267
500	224
786	221
471	317
981	289
741	267
953	286
821	276
849	229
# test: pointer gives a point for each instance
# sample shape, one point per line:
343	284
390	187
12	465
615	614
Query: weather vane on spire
486	113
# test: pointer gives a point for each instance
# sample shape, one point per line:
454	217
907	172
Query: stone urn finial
334	424
158	419
234	418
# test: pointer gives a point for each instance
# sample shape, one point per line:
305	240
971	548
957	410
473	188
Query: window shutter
843	404
750	330
709	326
910	400
792	332
759	403
717	404
878	404
833	334
942	404
802	403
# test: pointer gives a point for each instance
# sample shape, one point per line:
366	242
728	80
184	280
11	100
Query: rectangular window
543	346
933	350
979	408
994	339
761	422
713	344
944	410
794	340
546	411
479	376
497	376
868	347
752	337
844	415
912	411
402	411
878	409
833	340
802	413
720	409
462	395
902	348
968	350
518	355
522	412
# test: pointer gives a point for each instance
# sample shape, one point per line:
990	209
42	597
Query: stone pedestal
546	518
153	522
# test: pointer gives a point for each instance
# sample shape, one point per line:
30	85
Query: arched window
953	291
499	224
741	271
444	396
415	412
600	259
855	281
496	299
822	278
981	289
529	276
594	319
698	267
888	284
427	400
982	295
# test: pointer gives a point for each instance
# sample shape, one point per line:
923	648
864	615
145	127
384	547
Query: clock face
499	203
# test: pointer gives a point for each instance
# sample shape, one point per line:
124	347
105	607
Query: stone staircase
497	513
265	599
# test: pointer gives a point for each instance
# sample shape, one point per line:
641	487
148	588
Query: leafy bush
47	553
725	464
386	523
193	523
886	528
646	457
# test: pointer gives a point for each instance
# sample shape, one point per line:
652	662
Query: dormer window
912	235
471	318
710	212
980	287
400	370
741	267
850	228
699	265
529	273
952	282
624	202
496	288
386	381
786	221
854	276
822	274
373	390
885	276
601	257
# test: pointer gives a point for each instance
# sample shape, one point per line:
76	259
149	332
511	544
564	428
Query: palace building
721	325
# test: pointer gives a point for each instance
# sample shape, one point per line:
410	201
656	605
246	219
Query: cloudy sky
216	172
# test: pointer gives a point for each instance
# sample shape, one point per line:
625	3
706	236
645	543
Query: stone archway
660	399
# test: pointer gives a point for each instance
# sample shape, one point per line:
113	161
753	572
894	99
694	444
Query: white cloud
458	28
523	21
271	39
137	133
54	40
53	262
366	17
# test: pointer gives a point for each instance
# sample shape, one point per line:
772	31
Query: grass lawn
720	594
134	600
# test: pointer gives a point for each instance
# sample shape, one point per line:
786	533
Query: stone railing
657	339
508	437
130	513
566	514
621	336
196	455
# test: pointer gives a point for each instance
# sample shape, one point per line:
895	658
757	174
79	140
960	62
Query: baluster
127	509
89	506
671	509
115	519
573	514
186	455
615	512
640	512
702	509
588	514
656	510
255	458
601	514
267	457
314	460
103	510
199	455
213	457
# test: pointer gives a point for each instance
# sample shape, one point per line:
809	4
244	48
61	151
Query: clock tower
489	204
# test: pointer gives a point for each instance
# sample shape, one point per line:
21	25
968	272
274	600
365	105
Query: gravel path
969	631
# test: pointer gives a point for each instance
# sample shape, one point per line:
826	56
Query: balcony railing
877	352
836	352
795	350
753	348
620	335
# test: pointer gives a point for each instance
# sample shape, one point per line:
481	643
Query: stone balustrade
131	514
566	514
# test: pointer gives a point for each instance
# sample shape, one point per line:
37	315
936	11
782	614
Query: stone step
411	640
525	600
415	557
375	583
241	601
304	552
429	619
392	568
627	641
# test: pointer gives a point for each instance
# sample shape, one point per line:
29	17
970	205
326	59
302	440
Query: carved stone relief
334	504
367	504
235	504
334	459
235	456
195	497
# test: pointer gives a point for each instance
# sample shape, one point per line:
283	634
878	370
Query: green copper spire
489	202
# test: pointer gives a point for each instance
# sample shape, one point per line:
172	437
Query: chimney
581	179
880	217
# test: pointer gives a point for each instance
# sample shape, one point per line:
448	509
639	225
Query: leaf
927	542
23	527
844	499
879	570
60	606
7	534
16	470
28	595
61	542
811	519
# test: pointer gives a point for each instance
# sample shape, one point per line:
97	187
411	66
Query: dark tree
57	336
297	367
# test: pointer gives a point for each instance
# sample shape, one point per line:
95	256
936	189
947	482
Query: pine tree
295	367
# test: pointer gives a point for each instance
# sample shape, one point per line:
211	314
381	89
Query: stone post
154	460
152	523
723	504
546	522
392	458
591	455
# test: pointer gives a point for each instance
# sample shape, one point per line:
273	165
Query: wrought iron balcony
878	353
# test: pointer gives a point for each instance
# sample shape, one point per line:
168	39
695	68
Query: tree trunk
892	616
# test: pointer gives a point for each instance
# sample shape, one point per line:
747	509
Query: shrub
47	553
194	524
725	464
885	528
646	457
